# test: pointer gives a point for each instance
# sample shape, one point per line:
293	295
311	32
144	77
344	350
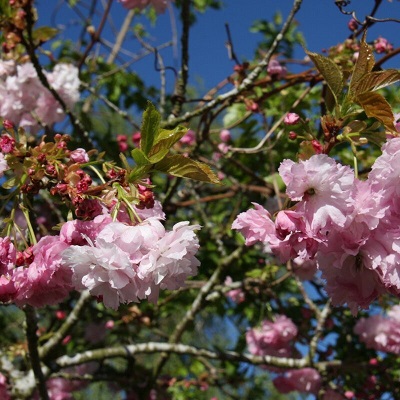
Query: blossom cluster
348	226
381	333
27	103
275	338
117	262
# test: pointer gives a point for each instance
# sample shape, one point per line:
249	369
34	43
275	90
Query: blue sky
320	21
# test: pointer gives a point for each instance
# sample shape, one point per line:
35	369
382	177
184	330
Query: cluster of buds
146	195
14	25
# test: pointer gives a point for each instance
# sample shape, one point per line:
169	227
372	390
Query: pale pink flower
323	186
46	281
236	295
352	263
7	288
291	119
127	263
382	45
105	270
79	156
24	99
77	232
306	380
189	138
379	333
272	338
225	135
352	25
276	70
304	269
8	255
255	225
172	260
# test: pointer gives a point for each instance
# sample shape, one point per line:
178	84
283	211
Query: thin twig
31	329
247	82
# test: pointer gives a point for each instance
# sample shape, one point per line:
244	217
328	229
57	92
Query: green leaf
44	34
139	157
183	167
163	142
139	172
150	127
376	106
377	80
330	71
364	64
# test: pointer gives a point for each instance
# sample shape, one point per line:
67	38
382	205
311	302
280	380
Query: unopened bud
292	135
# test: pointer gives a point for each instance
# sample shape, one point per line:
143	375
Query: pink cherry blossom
77	232
46	281
291	119
324	187
79	156
382	45
379	333
255	225
225	135
105	270
172	260
236	295
8	255
306	380
189	138
24	100
272	338
125	263
276	70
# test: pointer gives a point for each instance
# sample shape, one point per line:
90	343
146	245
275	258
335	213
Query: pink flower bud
352	24
189	138
291	119
7	124
225	135
136	138
60	314
292	135
79	156
317	146
110	324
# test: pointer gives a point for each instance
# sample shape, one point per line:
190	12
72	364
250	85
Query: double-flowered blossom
273	338
127	263
27	103
348	226
306	380
117	261
381	333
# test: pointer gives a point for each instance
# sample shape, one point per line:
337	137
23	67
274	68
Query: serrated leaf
364	64
139	157
163	142
149	128
376	106
183	167
377	80
330	71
